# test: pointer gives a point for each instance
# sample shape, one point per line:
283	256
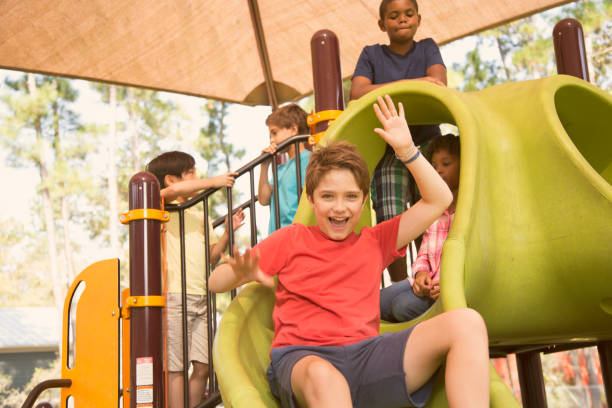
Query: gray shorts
373	369
197	330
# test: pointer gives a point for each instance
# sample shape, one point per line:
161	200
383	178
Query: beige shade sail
209	47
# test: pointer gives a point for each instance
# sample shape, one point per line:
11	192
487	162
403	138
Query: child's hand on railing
225	180
270	149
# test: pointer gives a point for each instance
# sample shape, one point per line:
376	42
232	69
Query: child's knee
319	373
468	323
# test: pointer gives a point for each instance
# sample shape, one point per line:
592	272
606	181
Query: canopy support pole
263	52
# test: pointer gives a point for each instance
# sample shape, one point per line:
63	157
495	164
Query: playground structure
515	259
483	258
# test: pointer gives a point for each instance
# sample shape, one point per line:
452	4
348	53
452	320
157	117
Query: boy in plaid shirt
408	299
404	59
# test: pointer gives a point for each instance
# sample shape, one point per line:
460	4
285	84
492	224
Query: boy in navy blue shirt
403	59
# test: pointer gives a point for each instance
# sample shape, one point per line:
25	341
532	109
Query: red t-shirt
328	291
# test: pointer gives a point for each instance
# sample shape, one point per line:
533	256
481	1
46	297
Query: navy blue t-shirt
381	65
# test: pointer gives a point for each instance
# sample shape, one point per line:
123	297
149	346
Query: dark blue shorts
373	369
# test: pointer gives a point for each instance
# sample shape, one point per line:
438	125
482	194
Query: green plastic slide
531	243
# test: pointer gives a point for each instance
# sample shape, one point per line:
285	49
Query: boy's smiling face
337	203
401	21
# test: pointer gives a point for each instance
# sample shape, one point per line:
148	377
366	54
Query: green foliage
477	73
12	397
23	274
525	48
211	140
217	152
596	20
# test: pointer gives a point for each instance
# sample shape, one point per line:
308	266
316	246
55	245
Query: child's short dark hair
173	163
287	116
448	142
383	7
336	156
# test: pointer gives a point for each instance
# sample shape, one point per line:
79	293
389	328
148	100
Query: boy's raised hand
395	131
225	180
246	268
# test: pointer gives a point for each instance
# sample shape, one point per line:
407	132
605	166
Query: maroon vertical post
605	358
146	363
326	74
531	379
570	52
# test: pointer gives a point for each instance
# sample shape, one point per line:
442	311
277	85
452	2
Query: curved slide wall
530	246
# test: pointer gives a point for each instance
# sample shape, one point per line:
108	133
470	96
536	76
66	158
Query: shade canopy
210	48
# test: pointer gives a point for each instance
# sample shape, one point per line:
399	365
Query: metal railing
203	199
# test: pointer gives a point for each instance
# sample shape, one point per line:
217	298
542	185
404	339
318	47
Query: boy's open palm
246	268
395	131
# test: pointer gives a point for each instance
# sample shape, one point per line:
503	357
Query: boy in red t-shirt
326	350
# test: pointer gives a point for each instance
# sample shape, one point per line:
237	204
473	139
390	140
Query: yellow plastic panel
95	369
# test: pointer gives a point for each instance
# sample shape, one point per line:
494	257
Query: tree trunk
59	157
502	55
68	258
132	131
112	174
221	130
58	281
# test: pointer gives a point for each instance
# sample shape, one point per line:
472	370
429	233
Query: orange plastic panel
95	369
125	348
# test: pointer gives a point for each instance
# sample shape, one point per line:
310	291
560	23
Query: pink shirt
328	291
430	252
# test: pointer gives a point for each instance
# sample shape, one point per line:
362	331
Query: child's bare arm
220	246
436	196
362	85
264	190
438	73
186	188
237	271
